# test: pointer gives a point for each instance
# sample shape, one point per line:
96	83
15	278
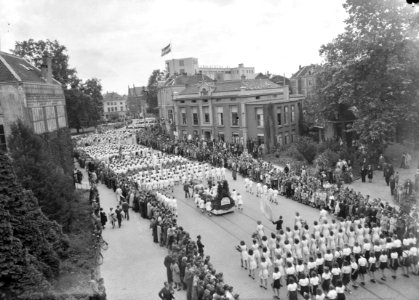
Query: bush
292	152
44	164
307	148
327	159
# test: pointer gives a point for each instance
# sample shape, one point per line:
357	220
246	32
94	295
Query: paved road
133	264
221	234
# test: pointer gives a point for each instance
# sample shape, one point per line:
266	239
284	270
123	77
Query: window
234	116
195	115
261	139
170	114
2	139
235	137
109	109
279	116
221	136
121	108
292	113
220	116
184	134
195	133
120	103
309	82
259	117
279	139
293	136
181	63
286	138
182	71
286	115
257	97
206	111
183	114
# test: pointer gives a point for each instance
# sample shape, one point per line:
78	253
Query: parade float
222	203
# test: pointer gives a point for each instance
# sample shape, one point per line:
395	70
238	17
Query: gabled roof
234	85
304	71
15	68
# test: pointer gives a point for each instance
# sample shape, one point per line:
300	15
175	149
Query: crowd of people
187	266
329	257
366	235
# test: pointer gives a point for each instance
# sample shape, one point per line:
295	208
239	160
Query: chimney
241	65
299	67
46	68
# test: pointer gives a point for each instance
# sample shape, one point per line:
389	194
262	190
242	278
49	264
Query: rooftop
186	79
15	68
304	71
234	85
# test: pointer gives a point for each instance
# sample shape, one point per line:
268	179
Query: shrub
307	148
326	159
292	152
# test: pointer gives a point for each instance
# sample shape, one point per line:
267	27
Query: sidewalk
133	264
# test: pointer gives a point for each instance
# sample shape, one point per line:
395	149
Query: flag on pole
166	50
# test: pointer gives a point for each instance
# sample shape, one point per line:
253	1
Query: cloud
120	41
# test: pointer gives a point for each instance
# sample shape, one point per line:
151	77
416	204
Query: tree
151	92
34	51
83	100
93	88
373	67
78	106
38	171
31	245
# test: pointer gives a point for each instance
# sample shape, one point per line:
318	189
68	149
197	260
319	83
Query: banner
266	208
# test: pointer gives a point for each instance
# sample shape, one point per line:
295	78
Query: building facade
31	95
171	87
137	101
304	81
114	106
227	73
188	66
238	111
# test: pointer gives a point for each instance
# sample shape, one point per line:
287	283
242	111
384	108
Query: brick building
171	87
31	95
238	111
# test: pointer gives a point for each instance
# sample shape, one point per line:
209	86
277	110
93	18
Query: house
114	106
31	95
303	82
238	111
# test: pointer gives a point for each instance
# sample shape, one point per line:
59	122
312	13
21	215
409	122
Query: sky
120	41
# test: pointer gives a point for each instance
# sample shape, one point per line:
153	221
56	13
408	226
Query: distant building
188	66
171	87
227	73
137	101
114	105
278	79
31	95
304	81
238	111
